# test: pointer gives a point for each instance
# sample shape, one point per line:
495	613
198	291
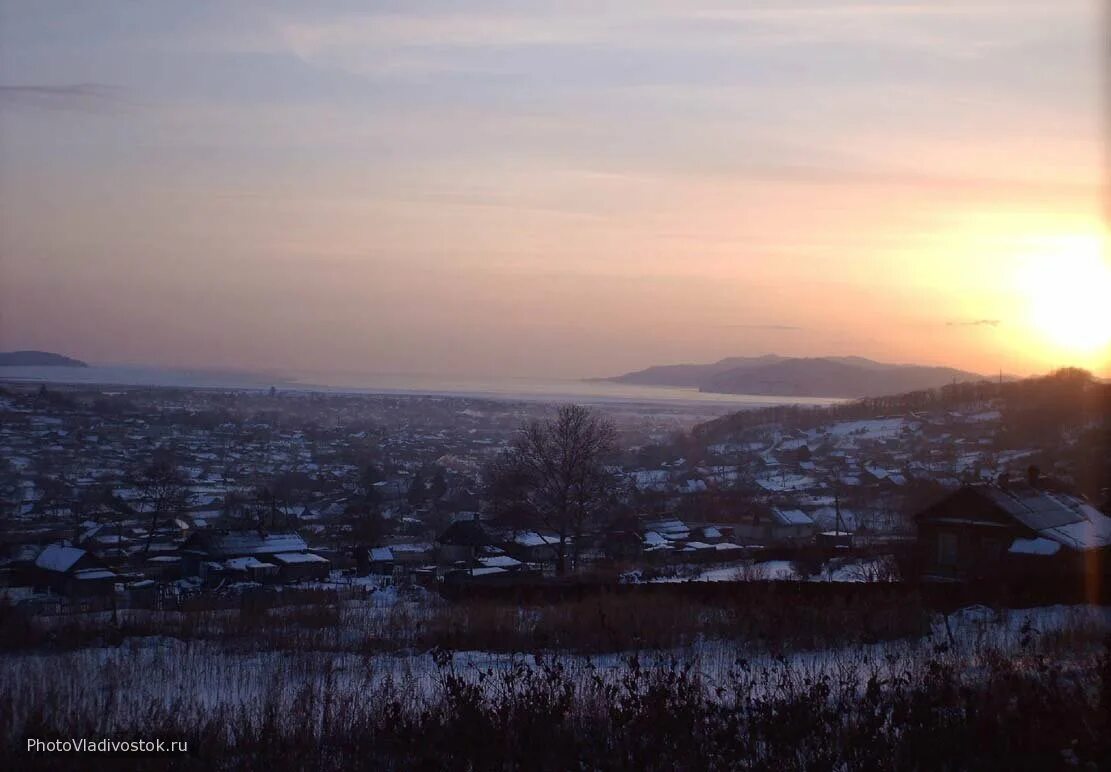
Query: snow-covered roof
487	571
500	561
672	528
93	573
826	517
1065	519
241	543
243	564
1068	520
422	546
788	482
1092	532
1036	546
58	558
534	539
698	545
289	558
1034	508
381	554
792	517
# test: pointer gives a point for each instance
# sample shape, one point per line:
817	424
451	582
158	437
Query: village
145	497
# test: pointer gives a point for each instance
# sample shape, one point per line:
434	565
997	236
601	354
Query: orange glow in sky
554	189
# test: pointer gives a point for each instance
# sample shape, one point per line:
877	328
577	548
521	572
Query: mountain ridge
32	358
773	375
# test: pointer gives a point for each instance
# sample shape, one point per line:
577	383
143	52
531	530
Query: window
992	549
947	548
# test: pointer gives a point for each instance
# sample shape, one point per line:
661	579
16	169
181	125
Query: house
771	525
535	547
412	554
251	569
670	528
502	561
1009	529
712	534
302	566
163	567
73	572
461	541
212	546
622	540
374	560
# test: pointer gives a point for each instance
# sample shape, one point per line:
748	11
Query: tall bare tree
555	475
163	490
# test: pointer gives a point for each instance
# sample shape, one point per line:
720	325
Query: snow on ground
871	429
779	483
122	682
840	570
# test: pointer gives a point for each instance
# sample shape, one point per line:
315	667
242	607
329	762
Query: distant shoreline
499	389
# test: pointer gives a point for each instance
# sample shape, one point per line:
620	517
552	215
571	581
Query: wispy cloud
772	327
76	97
976	323
443	38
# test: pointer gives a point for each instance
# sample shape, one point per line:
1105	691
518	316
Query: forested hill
1067	398
848	377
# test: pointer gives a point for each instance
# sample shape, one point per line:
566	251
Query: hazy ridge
773	375
37	359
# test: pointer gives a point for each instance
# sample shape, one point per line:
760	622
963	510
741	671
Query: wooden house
461	542
73	572
1009	530
236	549
774	526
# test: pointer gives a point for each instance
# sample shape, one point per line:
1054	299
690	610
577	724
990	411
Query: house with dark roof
461	541
989	531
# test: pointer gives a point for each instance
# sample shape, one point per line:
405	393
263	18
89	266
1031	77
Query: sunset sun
1067	290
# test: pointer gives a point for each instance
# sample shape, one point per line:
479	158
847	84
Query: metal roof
243	543
792	517
58	557
1035	508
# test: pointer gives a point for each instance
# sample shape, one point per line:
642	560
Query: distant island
772	375
37	359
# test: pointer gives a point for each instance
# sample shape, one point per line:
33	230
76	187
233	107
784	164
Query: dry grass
662	617
1030	701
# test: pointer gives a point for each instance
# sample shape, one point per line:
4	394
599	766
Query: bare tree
163	490
555	474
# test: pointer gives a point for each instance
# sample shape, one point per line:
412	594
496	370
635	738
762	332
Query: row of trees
1069	396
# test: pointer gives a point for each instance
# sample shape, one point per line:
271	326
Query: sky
554	190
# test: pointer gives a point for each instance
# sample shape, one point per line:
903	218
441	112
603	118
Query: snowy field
120	684
870	429
858	570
